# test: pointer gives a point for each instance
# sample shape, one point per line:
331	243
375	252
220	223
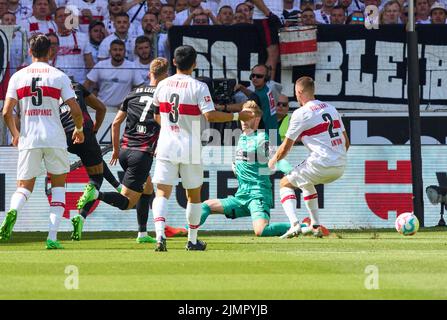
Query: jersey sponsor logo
39	112
46	92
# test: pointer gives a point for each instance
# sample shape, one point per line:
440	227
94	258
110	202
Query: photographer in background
267	94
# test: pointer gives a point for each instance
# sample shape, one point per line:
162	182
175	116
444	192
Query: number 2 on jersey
327	117
174	101
36	99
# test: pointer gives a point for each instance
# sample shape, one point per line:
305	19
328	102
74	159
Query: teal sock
206	211
275	229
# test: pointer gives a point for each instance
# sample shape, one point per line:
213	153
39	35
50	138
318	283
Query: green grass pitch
235	266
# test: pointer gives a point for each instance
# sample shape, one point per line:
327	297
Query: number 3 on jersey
174	101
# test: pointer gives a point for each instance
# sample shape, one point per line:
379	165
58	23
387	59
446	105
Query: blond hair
307	84
251	105
159	67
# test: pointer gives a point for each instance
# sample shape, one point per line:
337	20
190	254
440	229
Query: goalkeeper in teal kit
254	195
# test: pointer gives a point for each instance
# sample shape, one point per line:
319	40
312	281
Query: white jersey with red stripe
275	6
320	128
182	101
37	88
33	25
97	8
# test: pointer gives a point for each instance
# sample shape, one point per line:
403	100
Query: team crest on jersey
207	99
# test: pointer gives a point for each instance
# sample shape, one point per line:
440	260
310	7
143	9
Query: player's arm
7	112
89	62
100	110
235	107
78	119
347	144
116	125
89	84
261	6
218	116
282	152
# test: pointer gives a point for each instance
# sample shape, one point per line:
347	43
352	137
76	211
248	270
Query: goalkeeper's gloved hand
284	166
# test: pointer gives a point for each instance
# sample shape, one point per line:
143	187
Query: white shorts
167	172
312	174
29	164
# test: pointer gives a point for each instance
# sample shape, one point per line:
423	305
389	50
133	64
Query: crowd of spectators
100	41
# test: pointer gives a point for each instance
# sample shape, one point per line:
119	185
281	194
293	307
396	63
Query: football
407	224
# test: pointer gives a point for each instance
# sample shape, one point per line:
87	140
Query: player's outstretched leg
143	205
108	175
18	200
8	224
274	229
96	178
90	194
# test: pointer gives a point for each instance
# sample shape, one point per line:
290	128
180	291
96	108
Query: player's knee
258	232
284	183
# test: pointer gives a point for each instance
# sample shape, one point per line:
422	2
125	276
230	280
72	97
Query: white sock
19	199
193	214
288	201
57	208
159	211
311	201
142	234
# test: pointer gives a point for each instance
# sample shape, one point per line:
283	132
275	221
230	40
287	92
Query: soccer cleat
294	231
317	232
78	224
161	245
172	232
90	194
199	246
146	239
8	224
51	245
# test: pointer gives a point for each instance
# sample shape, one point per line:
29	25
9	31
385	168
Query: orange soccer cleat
172	232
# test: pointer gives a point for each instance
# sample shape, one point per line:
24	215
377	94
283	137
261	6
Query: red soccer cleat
172	232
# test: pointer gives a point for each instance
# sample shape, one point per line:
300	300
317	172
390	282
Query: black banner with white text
356	68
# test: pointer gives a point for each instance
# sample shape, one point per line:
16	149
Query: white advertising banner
375	187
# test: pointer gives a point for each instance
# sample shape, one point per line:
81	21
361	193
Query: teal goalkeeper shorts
234	208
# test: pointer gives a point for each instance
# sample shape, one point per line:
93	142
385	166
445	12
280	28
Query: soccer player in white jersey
181	101
37	90
320	128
